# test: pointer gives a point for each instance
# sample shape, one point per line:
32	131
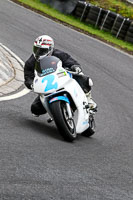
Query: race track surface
35	162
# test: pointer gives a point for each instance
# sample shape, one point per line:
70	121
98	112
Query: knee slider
90	82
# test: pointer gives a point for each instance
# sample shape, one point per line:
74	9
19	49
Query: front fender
59	98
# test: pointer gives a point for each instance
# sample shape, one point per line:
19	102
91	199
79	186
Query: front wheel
65	125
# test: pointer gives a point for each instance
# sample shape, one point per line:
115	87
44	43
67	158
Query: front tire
65	125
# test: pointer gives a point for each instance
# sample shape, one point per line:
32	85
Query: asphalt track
35	163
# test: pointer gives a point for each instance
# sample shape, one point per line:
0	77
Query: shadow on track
42	128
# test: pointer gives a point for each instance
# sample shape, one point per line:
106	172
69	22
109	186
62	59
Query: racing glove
76	68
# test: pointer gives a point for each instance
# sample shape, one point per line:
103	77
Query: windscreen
46	65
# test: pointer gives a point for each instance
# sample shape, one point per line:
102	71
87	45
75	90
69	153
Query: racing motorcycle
63	99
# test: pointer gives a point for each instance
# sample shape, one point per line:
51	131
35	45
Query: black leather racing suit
67	62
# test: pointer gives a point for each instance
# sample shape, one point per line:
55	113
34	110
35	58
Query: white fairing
61	80
80	101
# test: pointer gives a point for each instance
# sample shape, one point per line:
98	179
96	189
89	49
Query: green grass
119	6
70	20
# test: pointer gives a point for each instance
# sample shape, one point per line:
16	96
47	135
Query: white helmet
43	46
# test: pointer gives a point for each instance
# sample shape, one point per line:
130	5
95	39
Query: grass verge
75	23
121	7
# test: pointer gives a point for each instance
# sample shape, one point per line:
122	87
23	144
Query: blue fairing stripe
69	74
62	98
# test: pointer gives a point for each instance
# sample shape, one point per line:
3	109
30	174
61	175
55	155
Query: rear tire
91	130
65	125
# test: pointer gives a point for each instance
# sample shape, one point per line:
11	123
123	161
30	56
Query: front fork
69	110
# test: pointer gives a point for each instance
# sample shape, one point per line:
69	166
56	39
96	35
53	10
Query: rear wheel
91	130
65	125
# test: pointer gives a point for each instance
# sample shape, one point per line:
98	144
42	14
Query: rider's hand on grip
76	68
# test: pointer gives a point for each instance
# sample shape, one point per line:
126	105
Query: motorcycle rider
44	46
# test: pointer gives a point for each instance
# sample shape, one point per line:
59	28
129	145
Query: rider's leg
91	102
37	107
86	83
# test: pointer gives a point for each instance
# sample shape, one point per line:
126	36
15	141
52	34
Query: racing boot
91	103
37	108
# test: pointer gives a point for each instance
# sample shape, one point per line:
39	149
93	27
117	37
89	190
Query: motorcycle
63	99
